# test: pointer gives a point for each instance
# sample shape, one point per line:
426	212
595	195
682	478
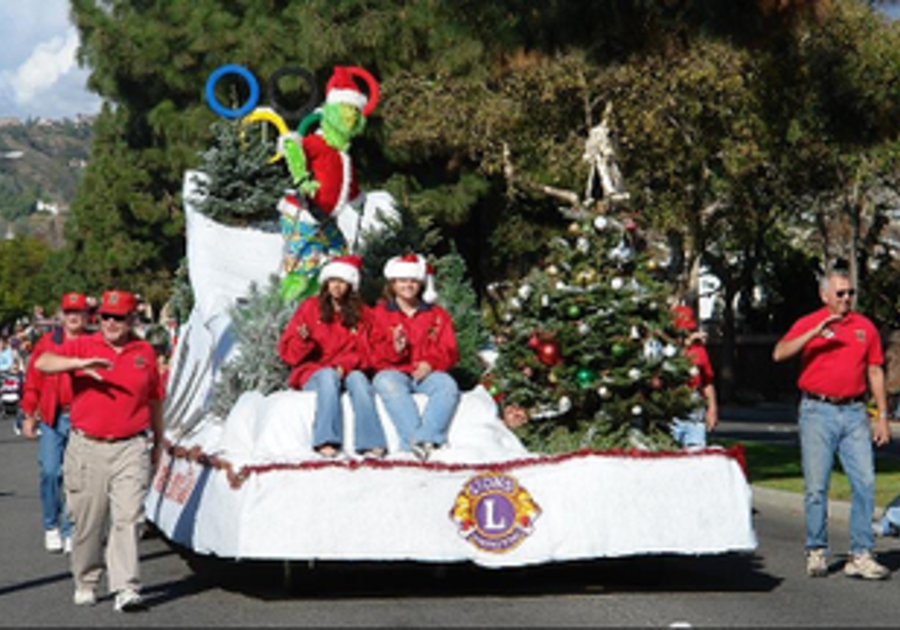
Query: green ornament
585	378
617	350
493	390
574	311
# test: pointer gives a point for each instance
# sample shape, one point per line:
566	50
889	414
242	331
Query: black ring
300	112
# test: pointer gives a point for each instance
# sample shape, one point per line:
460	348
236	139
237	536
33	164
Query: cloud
41	72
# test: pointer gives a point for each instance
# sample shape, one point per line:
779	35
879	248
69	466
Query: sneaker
128	600
816	563
67	544
374	453
53	541
328	451
84	597
864	566
422	450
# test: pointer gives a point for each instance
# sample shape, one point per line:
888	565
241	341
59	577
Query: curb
793	502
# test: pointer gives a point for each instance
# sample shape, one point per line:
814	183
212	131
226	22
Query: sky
39	76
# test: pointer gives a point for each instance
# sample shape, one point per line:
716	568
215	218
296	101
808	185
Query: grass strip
778	466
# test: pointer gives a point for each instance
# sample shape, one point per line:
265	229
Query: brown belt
835	400
107	440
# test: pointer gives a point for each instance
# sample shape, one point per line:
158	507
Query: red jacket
328	345
333	170
429	338
46	393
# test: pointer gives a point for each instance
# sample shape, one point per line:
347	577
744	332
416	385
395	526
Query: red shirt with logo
429	338
836	362
119	405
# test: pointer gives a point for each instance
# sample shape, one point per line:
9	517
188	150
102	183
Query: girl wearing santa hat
412	346
325	345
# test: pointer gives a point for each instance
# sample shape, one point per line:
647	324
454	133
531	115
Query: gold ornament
586	277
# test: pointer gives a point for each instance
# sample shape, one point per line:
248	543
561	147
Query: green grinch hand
309	187
290	145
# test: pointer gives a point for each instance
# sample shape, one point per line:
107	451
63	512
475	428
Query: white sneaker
128	600
84	597
864	566
817	563
67	544
53	541
423	450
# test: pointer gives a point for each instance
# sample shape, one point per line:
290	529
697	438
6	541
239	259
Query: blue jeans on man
826	429
396	390
691	431
51	449
328	426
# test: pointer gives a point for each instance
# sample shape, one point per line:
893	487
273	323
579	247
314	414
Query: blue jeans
366	425
692	431
328	426
51	449
827	429
396	390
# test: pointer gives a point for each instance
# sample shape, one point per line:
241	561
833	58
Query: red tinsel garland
236	478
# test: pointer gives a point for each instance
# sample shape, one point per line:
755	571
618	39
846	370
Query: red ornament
548	353
533	342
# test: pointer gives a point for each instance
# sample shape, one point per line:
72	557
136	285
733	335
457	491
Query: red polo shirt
836	364
118	406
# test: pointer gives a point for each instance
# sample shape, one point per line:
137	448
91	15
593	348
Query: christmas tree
257	323
456	295
243	184
588	354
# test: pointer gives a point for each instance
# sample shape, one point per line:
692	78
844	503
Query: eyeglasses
845	293
115	318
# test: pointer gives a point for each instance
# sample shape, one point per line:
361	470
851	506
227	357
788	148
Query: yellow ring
269	115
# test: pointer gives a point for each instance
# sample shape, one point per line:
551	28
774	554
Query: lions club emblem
494	512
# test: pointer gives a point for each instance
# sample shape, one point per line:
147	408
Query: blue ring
252	83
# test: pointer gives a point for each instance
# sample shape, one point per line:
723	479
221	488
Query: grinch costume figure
318	218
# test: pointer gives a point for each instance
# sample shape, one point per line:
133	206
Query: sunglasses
115	318
845	293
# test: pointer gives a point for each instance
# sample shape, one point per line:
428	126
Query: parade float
244	482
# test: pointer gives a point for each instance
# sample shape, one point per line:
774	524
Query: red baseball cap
74	302
117	302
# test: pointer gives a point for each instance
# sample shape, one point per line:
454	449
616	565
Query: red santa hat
412	266
344	268
342	88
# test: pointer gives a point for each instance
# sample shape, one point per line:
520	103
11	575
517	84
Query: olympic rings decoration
246	75
311	119
306	75
269	115
253	85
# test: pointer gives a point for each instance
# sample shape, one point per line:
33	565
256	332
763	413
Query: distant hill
41	162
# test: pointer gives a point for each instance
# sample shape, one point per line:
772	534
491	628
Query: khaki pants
105	484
